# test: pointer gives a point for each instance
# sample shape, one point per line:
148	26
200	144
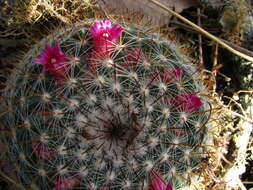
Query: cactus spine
102	106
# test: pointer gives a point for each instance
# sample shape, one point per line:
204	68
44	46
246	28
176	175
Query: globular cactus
105	106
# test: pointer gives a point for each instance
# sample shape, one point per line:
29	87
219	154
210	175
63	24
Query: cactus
105	106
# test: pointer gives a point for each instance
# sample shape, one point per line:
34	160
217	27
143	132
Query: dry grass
31	16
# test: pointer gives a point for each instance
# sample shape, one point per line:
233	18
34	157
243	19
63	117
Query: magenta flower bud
135	55
66	183
188	102
42	150
170	75
156	182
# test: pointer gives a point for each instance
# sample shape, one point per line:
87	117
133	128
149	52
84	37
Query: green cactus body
108	120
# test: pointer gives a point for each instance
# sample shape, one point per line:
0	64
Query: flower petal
107	23
42	150
104	38
65	183
157	182
53	60
188	102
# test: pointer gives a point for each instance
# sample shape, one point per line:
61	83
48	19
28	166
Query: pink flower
53	60
188	102
156	182
105	37
65	183
42	150
105	30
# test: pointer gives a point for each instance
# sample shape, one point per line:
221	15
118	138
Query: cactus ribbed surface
102	106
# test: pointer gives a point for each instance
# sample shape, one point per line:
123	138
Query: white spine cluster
109	127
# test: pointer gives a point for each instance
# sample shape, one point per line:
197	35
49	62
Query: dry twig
204	32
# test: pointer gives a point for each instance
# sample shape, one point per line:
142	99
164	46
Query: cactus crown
102	106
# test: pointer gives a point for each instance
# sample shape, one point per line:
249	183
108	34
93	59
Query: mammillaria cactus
104	106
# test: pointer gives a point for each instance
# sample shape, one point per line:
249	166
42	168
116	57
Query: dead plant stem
202	31
241	116
201	61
